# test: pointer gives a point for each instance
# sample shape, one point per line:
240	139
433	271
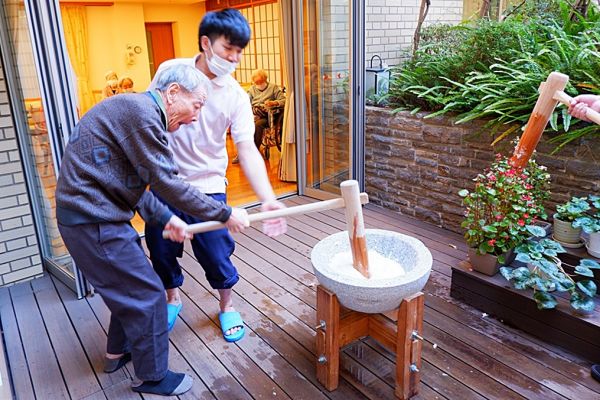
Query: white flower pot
565	233
593	244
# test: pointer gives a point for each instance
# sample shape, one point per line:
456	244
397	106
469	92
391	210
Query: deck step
561	326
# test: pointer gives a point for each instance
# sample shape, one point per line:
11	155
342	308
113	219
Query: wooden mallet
551	92
351	199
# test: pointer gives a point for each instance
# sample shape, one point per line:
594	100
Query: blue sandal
229	320
172	313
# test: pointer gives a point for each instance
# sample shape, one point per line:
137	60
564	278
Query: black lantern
377	80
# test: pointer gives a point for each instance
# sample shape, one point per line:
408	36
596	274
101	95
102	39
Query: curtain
76	37
287	167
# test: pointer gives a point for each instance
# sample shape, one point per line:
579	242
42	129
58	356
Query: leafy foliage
572	209
502	203
590	220
493	69
545	273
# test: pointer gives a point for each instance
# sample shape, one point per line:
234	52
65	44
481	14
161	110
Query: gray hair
260	73
186	76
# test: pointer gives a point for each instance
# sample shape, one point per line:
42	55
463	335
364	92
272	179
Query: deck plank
255	307
477	356
527	345
91	334
43	366
78	374
258	247
286	380
15	353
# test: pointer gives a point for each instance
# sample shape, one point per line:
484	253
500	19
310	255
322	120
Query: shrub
495	70
503	202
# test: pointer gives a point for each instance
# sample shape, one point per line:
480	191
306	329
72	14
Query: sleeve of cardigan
147	151
152	211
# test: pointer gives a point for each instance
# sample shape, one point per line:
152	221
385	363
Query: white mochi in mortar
380	267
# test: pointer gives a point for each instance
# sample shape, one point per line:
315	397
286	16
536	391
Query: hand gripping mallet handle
285	212
566	100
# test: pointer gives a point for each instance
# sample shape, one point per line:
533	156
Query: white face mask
219	66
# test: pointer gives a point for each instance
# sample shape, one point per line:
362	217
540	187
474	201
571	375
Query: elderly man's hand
176	230
276	226
270	103
238	220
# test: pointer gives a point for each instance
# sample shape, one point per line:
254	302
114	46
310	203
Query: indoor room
116	47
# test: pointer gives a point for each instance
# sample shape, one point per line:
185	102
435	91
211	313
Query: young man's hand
238	220
176	230
276	226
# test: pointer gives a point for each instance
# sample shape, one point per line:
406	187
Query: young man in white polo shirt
200	153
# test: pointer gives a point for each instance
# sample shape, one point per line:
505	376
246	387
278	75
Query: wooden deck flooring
55	343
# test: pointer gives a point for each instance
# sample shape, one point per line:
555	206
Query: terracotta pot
486	264
564	232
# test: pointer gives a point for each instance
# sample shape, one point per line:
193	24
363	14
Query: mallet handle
356	226
285	212
566	100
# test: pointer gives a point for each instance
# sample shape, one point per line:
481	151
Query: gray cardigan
117	149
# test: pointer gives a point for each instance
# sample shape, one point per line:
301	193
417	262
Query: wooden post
356	226
328	348
408	347
539	119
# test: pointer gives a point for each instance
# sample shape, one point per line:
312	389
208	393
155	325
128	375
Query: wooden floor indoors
55	343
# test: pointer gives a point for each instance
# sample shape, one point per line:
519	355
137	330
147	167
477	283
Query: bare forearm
254	168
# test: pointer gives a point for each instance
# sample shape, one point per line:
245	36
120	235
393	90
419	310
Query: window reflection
327	65
38	138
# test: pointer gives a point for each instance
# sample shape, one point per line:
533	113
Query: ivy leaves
547	276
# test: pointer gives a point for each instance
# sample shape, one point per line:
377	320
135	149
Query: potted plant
566	214
502	203
545	274
590	224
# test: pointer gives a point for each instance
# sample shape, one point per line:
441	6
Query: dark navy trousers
212	250
112	259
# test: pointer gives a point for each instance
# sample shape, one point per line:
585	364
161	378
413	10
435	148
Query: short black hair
229	23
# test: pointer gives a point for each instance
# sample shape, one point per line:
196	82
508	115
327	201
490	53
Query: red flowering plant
504	201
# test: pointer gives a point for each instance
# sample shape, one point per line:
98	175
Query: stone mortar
374	295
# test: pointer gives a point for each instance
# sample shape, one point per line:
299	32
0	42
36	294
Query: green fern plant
495	71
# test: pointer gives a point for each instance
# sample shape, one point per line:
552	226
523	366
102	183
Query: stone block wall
416	166
19	252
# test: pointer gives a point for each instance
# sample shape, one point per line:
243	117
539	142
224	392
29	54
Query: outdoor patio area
55	343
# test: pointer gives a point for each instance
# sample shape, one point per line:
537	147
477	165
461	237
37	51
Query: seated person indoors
126	85
112	85
263	97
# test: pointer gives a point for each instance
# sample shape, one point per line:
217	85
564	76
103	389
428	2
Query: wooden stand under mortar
339	327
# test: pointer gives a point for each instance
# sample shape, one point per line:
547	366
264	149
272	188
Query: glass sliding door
330	35
44	115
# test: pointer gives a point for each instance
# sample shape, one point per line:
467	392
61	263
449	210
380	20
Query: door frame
60	110
357	98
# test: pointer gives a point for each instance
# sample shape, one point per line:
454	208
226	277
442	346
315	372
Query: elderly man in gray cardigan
118	149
